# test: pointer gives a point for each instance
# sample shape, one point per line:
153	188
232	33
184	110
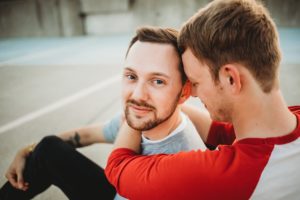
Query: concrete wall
285	13
166	12
31	18
132	13
15	23
107	16
23	18
114	16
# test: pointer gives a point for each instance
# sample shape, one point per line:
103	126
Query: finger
20	180
12	179
25	188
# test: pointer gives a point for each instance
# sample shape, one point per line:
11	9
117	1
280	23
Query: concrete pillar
33	18
48	16
106	16
14	22
71	23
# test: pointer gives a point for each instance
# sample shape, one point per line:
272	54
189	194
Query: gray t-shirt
184	138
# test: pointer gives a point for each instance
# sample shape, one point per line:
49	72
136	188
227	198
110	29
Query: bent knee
50	141
49	144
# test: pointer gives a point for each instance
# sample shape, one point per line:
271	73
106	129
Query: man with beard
153	88
231	55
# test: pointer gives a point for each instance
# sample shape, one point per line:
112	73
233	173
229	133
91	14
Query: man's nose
140	92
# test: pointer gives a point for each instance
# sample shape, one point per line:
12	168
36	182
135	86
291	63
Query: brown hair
228	31
159	35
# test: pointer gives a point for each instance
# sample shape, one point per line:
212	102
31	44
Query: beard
221	112
152	119
221	109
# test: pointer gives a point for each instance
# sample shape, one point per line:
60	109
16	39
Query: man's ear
230	77
185	92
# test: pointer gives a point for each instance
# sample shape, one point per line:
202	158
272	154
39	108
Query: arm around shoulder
200	118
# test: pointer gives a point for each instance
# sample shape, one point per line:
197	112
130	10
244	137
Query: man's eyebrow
152	74
160	74
128	69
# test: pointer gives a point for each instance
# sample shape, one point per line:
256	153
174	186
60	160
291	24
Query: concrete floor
48	85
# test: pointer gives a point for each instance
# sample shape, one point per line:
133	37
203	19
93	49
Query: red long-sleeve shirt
249	168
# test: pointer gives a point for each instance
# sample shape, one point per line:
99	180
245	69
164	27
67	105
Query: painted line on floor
58	104
44	53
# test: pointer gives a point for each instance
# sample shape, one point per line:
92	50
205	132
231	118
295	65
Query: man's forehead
152	58
143	46
193	67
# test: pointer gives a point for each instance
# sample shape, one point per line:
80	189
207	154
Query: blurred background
63	18
61	61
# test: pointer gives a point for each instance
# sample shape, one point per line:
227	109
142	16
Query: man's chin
144	126
132	123
136	127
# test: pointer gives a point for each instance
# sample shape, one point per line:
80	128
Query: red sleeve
295	109
185	175
220	133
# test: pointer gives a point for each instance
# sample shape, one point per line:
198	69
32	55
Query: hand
15	171
128	138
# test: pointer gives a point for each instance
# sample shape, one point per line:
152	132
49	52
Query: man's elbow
116	163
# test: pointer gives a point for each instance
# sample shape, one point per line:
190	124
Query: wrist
74	141
28	149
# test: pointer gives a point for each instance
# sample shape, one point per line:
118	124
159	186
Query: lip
140	109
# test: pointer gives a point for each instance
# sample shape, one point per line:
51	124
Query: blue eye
159	82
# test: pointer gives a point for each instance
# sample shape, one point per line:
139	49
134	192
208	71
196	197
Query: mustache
141	103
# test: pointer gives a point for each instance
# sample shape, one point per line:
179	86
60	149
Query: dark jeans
55	162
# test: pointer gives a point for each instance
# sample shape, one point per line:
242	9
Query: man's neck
262	116
164	129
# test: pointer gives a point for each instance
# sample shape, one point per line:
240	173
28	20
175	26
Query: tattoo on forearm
74	140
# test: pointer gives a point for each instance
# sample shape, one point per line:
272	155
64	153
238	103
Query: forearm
84	136
200	118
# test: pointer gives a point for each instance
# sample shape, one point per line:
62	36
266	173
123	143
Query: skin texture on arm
128	138
200	119
84	136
